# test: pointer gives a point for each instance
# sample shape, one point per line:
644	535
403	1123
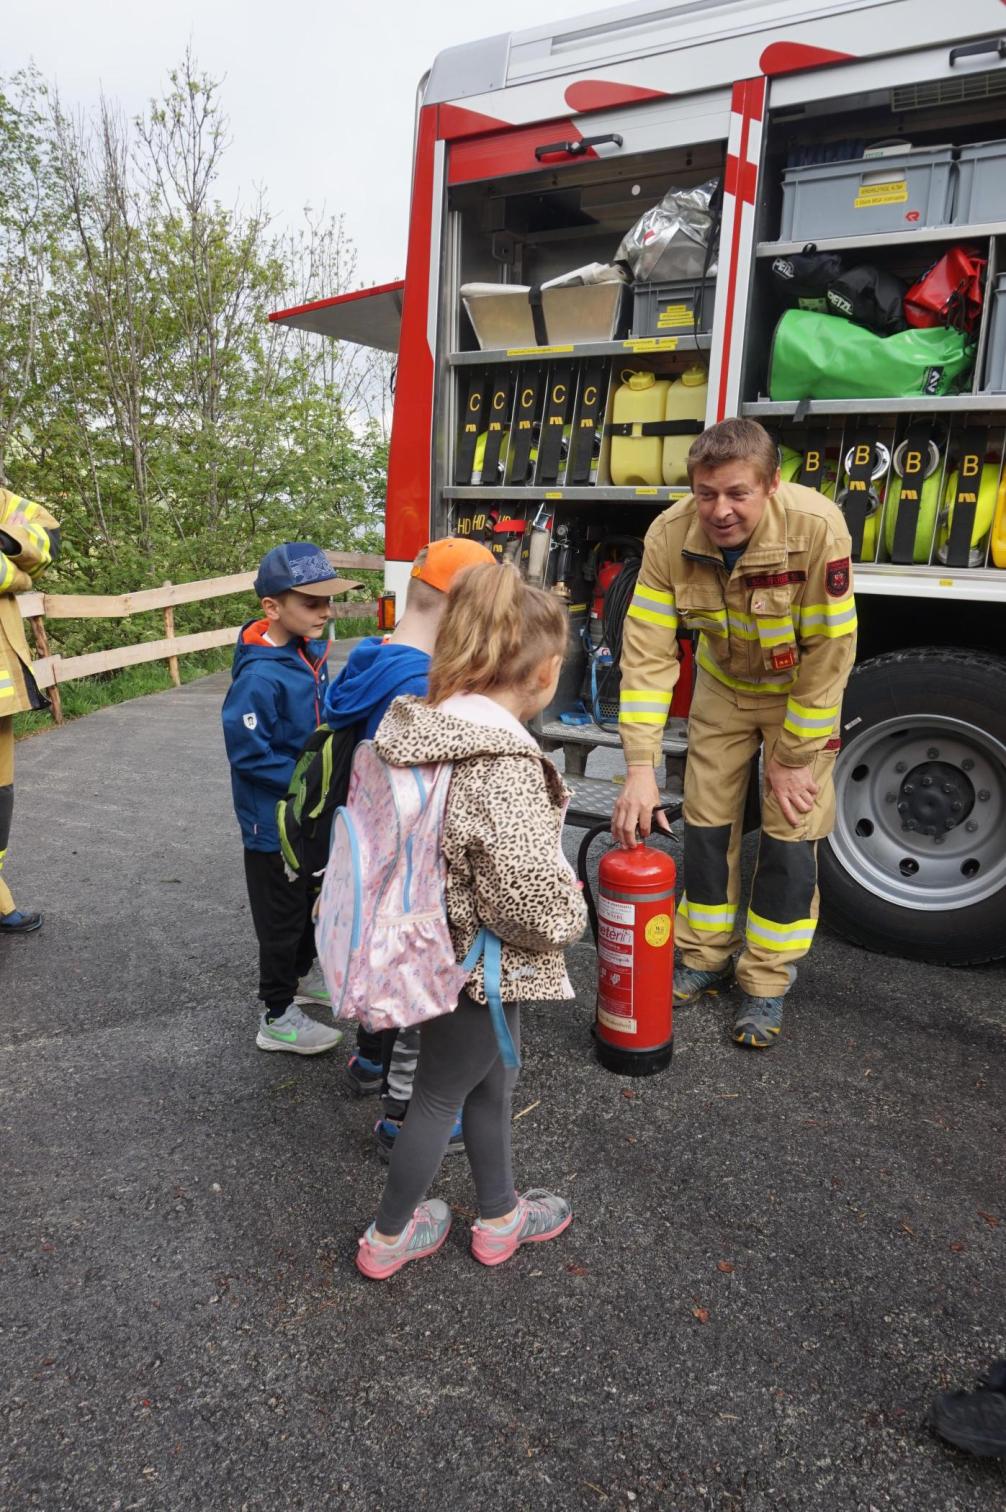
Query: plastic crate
501	314
981	184
682	308
863	196
995	352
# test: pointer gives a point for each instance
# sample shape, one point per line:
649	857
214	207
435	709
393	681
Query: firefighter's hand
794	789
634	809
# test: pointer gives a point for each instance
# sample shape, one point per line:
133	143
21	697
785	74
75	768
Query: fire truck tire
916	863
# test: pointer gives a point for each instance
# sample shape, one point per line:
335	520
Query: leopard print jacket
502	828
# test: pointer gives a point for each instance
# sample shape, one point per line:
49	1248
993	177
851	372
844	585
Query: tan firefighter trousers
6	802
780	922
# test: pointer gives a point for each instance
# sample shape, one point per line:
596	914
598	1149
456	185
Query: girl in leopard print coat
496	665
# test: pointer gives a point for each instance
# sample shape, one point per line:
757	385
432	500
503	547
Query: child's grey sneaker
295	1032
758	1022
423	1235
312	989
690	983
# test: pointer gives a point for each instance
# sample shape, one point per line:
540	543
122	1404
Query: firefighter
29	541
761	571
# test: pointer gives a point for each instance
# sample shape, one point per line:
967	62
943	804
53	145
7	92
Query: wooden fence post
42	647
169	634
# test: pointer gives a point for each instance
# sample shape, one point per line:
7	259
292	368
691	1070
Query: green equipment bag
320	783
821	357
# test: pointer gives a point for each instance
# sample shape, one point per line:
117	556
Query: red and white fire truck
869	128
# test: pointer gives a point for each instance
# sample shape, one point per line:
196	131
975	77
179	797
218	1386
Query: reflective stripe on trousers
778	928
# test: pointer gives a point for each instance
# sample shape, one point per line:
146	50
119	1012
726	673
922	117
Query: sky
321	98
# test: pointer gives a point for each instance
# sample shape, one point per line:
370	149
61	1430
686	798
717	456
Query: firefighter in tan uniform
761	570
29	540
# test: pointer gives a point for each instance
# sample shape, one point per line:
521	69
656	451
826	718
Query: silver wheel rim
879	787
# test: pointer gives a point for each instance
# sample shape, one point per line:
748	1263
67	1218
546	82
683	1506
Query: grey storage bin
995	352
682	308
862	196
981	184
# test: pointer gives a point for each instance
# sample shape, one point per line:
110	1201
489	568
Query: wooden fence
50	671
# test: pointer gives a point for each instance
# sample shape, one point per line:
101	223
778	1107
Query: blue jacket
273	707
376	672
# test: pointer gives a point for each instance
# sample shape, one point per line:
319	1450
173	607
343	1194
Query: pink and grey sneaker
540	1215
422	1235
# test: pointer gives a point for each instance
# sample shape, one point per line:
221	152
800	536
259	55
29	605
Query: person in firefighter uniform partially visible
761	571
29	540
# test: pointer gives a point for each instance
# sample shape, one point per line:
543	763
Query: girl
496	664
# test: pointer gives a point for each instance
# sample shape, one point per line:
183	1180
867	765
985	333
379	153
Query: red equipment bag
950	293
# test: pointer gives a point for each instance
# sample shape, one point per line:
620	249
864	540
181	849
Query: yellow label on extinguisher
658	930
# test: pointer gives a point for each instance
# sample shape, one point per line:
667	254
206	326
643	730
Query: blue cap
296	564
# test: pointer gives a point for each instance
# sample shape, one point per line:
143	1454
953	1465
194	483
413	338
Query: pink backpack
381	932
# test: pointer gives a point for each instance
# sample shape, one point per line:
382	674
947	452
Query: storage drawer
981	184
994	379
673	309
863	196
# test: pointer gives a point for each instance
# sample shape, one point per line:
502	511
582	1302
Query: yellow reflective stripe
710	665
807	722
658	595
626	717
8	572
774	936
772	632
708	918
646	696
741	626
653	616
831	620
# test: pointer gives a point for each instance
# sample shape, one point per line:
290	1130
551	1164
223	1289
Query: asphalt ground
775	1260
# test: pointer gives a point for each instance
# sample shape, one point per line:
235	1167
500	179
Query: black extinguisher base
633	1062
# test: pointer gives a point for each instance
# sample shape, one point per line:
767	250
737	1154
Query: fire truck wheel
916	864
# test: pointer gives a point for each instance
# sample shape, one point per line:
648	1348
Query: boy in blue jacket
377	672
273	706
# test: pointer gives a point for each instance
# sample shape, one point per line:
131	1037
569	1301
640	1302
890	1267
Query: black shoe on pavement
19	922
974	1421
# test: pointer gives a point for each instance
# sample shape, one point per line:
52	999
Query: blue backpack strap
490	946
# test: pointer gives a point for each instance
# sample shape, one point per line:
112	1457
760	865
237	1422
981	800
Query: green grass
87	694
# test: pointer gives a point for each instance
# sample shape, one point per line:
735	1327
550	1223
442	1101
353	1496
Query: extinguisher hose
673	812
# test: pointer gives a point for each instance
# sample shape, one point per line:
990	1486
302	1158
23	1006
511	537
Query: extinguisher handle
673	812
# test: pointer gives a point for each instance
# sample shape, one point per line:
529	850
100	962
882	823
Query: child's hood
413	733
374	670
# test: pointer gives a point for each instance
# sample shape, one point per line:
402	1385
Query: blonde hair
495	632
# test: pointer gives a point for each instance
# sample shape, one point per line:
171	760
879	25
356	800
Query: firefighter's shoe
758	1022
295	1032
539	1216
387	1130
365	1076
423	1235
18	922
690	983
974	1420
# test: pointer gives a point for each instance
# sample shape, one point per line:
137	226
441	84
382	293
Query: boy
272	708
377	672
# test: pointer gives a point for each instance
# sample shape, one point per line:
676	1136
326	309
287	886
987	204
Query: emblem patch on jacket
836	578
250	721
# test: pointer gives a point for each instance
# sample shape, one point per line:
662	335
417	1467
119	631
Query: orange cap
447	557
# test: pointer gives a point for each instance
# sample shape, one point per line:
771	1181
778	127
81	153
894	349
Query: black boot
974	1420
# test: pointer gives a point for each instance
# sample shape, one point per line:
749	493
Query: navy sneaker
365	1076
386	1131
691	983
759	1022
18	922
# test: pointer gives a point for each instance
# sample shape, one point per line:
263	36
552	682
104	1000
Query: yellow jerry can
686	400
635	458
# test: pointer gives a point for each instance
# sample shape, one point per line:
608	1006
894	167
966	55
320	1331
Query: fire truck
865	128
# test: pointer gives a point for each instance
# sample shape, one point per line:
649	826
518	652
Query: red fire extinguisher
634	929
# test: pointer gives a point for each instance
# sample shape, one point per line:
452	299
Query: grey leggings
459	1064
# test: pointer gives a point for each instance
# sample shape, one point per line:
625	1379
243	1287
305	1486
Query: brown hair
495	632
735	441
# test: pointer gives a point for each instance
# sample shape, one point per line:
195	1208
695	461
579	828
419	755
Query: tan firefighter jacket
779	631
29	539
